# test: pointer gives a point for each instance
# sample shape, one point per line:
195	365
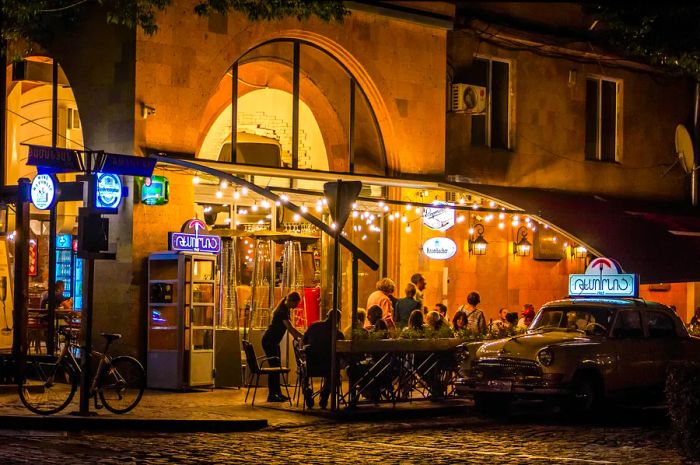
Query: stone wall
548	127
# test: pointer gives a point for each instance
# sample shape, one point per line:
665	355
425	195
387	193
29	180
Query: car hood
527	345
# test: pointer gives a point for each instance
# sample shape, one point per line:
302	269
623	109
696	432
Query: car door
630	349
664	345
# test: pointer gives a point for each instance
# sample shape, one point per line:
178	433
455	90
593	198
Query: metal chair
256	369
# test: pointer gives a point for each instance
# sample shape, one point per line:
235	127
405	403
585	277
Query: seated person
359	326
318	339
442	310
438	325
459	321
415	325
377	324
61	300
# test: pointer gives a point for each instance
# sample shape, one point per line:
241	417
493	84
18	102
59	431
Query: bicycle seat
111	337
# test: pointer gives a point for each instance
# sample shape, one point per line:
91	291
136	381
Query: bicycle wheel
121	384
47	388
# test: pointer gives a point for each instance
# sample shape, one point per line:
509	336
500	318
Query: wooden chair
256	369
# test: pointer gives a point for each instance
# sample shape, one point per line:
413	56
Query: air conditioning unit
467	98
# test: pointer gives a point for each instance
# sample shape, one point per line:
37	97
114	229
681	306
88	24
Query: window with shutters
603	114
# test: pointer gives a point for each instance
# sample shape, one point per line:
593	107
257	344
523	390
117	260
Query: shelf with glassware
183	299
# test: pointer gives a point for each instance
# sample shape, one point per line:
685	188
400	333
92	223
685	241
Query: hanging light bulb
460	219
386	208
296	217
527	219
284	198
492	204
501	216
224	184
236	195
471	231
404	219
364	236
265	204
501	225
408	229
324	201
254	208
381	203
391	217
196	180
475	206
319	208
278	203
354	205
462	201
408	207
354	213
418	210
515	223
333	226
304	209
219	194
244	190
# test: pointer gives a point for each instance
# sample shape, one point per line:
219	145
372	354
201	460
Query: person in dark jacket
404	307
272	338
317	340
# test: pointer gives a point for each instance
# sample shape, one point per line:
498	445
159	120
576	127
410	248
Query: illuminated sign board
438	218
43	191
439	248
108	191
194	242
155	190
604	278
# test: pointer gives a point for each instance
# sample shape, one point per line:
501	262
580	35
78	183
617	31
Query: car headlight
545	357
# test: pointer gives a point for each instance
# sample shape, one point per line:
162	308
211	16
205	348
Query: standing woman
272	338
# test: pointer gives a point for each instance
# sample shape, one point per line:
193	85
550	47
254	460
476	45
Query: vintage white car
581	351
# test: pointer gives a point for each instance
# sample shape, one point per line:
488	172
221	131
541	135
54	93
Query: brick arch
354	68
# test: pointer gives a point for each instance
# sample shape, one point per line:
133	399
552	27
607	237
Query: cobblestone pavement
641	438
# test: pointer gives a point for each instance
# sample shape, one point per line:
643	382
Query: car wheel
586	396
492	404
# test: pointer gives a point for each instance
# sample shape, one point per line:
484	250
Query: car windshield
589	319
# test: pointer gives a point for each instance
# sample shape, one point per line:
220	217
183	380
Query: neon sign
198	241
604	278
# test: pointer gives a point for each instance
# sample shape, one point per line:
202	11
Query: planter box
398	345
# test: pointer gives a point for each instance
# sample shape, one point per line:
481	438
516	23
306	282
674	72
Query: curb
366	413
102	424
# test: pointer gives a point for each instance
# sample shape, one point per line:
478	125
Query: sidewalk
206	411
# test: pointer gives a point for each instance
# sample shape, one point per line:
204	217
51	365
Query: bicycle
46	388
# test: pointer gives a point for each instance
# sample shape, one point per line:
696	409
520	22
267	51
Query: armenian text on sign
186	242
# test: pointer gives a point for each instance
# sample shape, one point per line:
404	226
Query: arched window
293	105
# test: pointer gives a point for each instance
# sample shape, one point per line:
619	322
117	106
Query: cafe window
492	128
628	325
660	325
603	110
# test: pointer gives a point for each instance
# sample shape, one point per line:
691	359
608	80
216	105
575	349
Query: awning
660	242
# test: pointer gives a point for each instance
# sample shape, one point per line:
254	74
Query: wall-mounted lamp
478	246
147	110
579	252
521	246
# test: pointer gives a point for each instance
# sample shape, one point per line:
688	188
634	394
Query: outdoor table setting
38	323
393	370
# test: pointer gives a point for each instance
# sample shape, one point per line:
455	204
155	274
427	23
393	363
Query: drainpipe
694	187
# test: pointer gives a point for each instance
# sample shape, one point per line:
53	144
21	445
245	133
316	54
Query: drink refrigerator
69	268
